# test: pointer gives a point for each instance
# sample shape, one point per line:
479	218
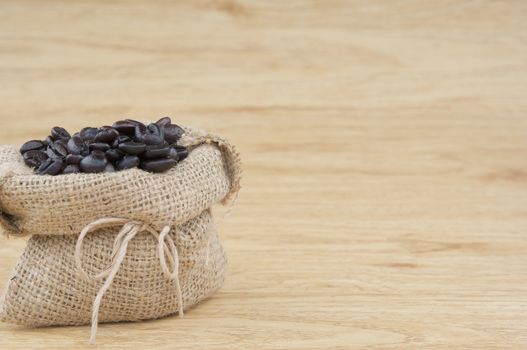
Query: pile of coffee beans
124	145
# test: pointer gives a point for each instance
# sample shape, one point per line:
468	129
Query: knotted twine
129	230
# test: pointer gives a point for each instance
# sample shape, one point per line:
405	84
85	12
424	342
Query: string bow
166	251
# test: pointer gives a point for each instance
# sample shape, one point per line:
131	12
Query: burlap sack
121	246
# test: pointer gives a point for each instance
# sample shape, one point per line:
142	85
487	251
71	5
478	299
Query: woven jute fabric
46	289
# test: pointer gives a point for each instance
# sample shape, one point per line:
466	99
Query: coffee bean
133	148
59	148
94	163
135	122
32	145
120	139
88	134
182	154
158	165
125	127
56	151
71	169
51	166
58	133
139	133
34	158
114	155
153	152
173	133
164	121
154	135
128	162
173	154
99	146
127	144
75	145
106	134
73	159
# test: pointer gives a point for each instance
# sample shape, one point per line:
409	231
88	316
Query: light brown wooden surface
385	151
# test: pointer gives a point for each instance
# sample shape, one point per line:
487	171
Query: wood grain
385	143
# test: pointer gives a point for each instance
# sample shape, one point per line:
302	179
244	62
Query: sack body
47	288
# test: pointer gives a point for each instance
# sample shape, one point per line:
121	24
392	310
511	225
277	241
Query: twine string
167	251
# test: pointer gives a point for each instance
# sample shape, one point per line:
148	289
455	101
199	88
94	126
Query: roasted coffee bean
106	134
182	154
120	139
109	168
88	134
125	127
151	139
154	135
126	144
133	148
164	121
51	166
75	145
158	165
94	163
73	159
135	122
58	133
139	134
59	148
153	152
114	155
128	162
32	145
99	146
173	154
35	158
172	133
71	169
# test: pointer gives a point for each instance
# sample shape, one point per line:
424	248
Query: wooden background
385	151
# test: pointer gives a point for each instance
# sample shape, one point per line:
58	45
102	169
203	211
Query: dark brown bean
75	145
71	169
139	133
173	154
164	121
125	127
35	158
32	145
182	152
158	165
94	163
120	139
133	148
88	134
58	133
73	159
106	134
153	152
173	133
51	166
114	155
59	148
99	146
128	162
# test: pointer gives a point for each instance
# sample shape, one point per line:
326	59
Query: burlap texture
45	288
